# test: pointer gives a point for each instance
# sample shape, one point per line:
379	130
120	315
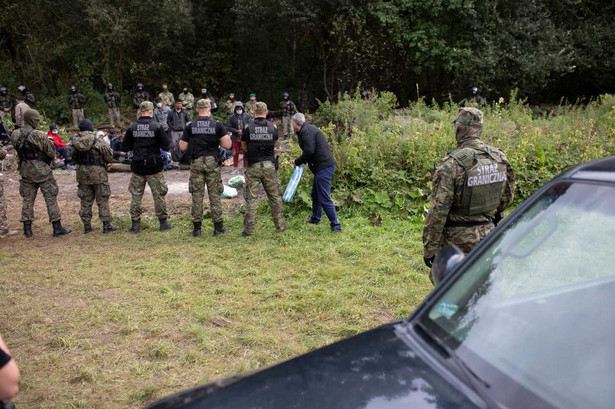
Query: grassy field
118	321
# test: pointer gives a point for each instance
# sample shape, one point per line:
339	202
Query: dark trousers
321	196
64	152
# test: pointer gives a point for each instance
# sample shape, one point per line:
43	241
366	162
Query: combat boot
108	227
87	227
58	229
136	226
196	232
219	229
27	229
165	225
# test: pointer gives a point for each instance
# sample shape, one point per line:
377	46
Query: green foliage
385	159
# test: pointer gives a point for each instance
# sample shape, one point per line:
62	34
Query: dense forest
548	49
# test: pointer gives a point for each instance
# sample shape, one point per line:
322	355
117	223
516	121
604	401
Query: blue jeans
321	197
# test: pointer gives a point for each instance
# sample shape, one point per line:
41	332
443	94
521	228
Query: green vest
484	181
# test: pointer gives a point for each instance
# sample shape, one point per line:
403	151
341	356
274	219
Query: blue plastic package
293	184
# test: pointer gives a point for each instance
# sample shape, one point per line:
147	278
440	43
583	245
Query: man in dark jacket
177	120
318	156
236	124
145	138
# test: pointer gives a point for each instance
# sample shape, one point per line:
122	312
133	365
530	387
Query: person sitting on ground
62	149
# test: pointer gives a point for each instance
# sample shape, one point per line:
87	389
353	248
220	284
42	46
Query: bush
385	158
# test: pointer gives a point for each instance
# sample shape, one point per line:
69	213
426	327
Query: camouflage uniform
229	106
137	98
167	98
187	100
112	99
206	171
4	221
288	109
6	106
36	173
77	102
250	106
158	186
91	156
450	220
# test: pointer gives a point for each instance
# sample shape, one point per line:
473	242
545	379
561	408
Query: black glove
428	261
498	217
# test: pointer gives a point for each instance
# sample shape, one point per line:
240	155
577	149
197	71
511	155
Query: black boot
136	226
196	232
27	229
58	229
165	225
87	227
219	229
108	227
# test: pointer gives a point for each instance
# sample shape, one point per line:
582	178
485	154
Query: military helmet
475	90
3	90
110	85
73	88
139	85
22	88
286	95
203	90
469	116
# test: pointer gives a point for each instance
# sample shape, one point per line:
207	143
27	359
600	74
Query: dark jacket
316	152
145	138
233	124
177	120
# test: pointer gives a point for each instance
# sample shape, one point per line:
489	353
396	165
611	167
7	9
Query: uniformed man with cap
229	105
113	100
6	104
145	138
204	136
472	186
259	140
138	97
288	109
251	104
77	101
36	153
187	100
167	96
91	156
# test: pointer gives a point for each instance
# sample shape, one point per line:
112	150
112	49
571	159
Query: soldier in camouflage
139	97
36	153
251	104
113	100
204	136
4	221
259	139
288	109
229	105
187	100
6	104
472	186
76	101
91	156
166	96
145	138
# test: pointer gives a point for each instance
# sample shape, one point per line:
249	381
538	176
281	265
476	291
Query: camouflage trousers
158	186
90	193
287	126
28	191
4	221
114	116
206	171
77	116
265	173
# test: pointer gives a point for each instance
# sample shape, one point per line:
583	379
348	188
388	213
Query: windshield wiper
480	386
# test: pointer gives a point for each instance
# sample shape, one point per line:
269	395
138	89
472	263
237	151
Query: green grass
118	321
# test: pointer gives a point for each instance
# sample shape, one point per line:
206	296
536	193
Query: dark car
526	320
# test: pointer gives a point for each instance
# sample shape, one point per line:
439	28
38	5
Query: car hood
375	369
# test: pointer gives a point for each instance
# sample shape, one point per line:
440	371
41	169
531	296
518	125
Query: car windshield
536	309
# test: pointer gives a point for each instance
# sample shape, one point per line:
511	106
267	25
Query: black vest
261	141
89	158
146	159
27	151
204	140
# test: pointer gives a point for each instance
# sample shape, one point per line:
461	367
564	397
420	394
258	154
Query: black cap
52	127
86	125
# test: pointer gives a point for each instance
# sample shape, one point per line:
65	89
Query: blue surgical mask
55	132
159	105
239	111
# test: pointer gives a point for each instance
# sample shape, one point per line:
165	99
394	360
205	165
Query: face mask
159	105
55	132
185	91
239	111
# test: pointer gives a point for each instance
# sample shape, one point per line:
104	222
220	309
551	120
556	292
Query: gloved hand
428	261
498	217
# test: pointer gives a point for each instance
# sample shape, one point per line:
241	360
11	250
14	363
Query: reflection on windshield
537	305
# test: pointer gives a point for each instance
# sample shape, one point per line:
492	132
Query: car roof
601	170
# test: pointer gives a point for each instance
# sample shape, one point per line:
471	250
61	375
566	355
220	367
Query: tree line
428	48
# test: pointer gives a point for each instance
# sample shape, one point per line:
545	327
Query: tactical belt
450	223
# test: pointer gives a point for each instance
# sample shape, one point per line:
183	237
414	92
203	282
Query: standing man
259	140
138	97
20	110
187	100
251	104
113	100
177	120
229	105
6	104
161	113
288	109
236	124
4	221
166	96
476	99
472	186
204	136
145	138
76	101
91	156
36	153
318	156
